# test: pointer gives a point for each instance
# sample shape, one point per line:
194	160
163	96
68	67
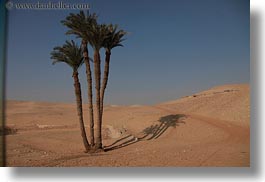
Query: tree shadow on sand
149	133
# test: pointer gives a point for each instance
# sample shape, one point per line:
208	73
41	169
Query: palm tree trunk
98	137
89	92
80	110
104	82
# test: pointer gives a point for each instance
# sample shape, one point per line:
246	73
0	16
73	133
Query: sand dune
210	128
228	102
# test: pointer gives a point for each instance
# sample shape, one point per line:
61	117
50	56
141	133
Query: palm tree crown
69	53
98	35
114	37
80	24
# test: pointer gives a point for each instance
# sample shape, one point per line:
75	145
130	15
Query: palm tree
80	25
114	39
71	54
98	36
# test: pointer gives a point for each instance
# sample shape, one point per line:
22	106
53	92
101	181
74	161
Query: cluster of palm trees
98	36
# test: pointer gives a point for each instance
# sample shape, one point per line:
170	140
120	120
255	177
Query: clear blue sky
175	48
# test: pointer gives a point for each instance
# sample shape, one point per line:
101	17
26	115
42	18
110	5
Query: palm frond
98	34
80	24
70	53
114	37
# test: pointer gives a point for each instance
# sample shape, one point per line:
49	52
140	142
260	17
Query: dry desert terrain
210	128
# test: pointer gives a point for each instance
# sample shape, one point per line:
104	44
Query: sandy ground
210	128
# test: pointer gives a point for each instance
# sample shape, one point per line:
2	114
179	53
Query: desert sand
210	128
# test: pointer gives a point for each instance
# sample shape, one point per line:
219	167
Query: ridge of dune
225	102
